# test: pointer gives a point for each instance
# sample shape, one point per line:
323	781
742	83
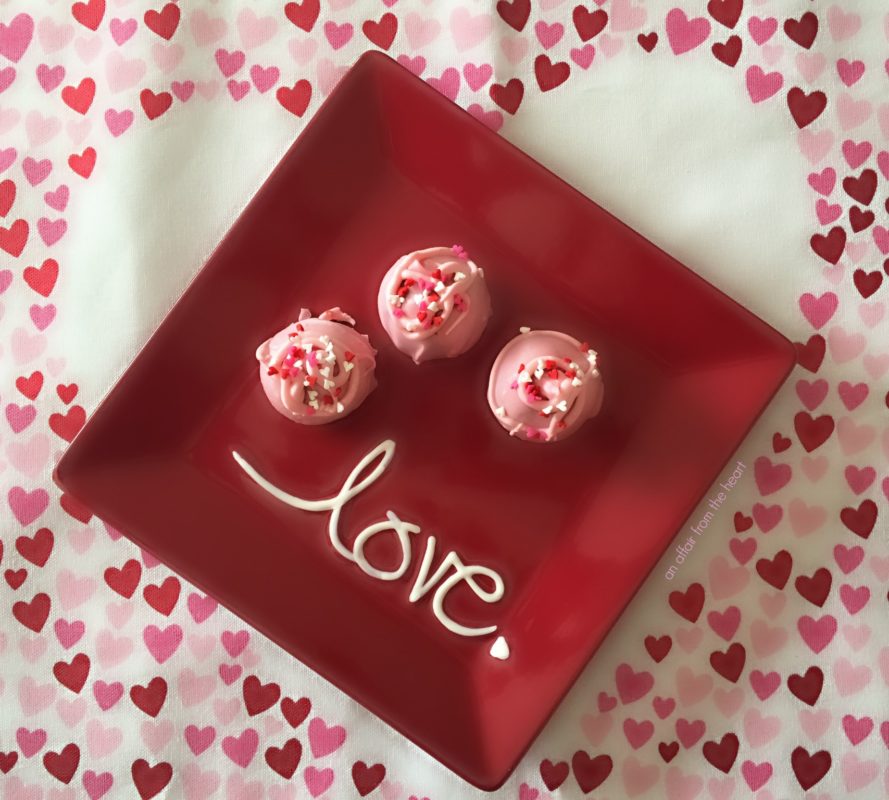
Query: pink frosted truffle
434	303
544	385
317	370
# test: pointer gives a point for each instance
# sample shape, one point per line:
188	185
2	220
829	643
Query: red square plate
388	165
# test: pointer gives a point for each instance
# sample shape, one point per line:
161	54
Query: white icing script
426	578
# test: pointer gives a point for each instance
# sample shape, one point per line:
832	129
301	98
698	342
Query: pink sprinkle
397	313
460	252
514	385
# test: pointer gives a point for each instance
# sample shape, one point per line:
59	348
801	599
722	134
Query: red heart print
7	196
722	754
124	580
806	687
72	674
514	13
590	773
810	354
861	188
150	781
284	760
589	23
83	163
14	238
659	647
816	587
688	604
259	697
163	22
860	520
42	279
805	108
367	778
79	98
726	12
729	51
775	571
151	697
304	14
163	598
690	732
68	424
668	751
803	30
32	614
809	768
550	74
36	548
383	32
295	711
89	14
154	105
647	41
62	765
860	220
295	98
553	774
729	664
509	95
812	432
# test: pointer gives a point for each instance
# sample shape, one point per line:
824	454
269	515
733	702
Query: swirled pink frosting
318	369
544	385
434	303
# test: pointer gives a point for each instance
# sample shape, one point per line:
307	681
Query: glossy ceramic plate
386	166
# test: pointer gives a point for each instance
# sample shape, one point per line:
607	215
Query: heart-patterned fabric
753	664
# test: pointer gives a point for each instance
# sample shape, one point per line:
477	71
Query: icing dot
500	649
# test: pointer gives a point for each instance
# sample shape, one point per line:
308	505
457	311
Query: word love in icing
450	572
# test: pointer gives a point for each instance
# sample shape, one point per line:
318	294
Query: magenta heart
318	780
859	480
663	706
118	122
8	156
762	85
58	199
448	84
20	417
742	549
27	506
690	733
850	71
416	65
323	738
725	623
107	694
234	643
68	633
882	163
183	90
854	598
823	182
5	279
42	316
51	230
264	78
770	477
199	739
632	685
30	742
36	171
492	119
767	517
857	730
16	36
762	29
756	775
122	30
50	77
549	35
856	153
852	395
764	684
583	56
229	62
848	558
241	749
162	643
638	733
827	212
338	35
817	633
201	606
238	89
7	76
683	33
818	310
97	785
229	673
812	393
477	76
